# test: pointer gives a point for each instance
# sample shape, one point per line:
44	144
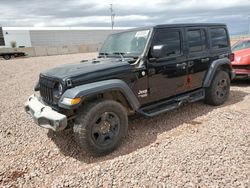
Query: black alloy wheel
218	92
100	126
105	128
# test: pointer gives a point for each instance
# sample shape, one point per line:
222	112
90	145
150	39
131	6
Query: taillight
231	57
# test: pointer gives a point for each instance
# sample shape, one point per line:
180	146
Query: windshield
241	45
131	43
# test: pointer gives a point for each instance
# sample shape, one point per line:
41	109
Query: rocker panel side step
173	103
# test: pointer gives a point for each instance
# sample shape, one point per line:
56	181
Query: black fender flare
214	67
100	87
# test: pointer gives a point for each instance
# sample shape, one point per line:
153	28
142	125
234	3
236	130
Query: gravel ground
194	146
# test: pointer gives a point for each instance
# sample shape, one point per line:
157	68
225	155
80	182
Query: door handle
190	63
205	60
151	71
181	65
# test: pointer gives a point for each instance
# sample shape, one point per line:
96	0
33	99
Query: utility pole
112	15
249	25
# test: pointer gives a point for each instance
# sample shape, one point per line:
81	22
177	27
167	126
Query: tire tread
80	128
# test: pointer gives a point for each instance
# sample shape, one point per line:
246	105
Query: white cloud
129	13
166	4
88	20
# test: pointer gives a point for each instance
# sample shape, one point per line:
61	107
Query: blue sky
129	13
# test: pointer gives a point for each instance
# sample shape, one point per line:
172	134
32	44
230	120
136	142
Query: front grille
47	87
241	67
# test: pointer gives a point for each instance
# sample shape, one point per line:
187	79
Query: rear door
198	60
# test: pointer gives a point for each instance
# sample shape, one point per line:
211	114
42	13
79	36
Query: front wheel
218	92
100	126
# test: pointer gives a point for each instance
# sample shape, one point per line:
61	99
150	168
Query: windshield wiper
104	54
121	54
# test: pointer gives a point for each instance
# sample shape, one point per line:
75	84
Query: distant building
54	36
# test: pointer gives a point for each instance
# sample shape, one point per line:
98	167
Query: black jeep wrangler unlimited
144	71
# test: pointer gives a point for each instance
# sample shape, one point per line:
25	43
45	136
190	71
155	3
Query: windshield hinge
69	83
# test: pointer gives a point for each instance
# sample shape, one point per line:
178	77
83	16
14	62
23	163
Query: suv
145	71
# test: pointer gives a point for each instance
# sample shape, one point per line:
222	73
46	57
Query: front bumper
241	73
45	116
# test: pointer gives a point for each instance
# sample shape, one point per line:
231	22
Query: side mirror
156	51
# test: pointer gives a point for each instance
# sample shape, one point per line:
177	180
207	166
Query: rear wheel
100	126
7	57
219	89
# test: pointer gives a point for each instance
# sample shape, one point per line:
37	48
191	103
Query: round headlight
60	89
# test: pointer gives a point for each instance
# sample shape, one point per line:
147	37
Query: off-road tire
6	57
218	91
86	124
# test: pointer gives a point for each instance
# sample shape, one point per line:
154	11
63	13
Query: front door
167	73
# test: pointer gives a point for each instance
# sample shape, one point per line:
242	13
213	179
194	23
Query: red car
241	63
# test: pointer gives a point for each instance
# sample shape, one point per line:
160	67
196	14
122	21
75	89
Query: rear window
196	40
219	38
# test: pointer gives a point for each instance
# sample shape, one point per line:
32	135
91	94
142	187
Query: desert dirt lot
196	145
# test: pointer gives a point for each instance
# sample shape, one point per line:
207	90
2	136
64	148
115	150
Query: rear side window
218	38
170	41
196	40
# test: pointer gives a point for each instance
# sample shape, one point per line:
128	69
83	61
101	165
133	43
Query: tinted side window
196	40
170	42
218	38
1	37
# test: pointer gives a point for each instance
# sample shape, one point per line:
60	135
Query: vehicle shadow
142	131
241	83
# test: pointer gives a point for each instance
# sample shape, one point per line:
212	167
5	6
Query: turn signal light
69	101
75	101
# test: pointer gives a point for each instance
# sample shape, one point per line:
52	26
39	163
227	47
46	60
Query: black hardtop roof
175	26
190	25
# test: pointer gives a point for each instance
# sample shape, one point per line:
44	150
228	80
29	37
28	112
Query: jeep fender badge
143	93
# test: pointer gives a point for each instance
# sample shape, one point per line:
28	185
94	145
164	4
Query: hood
242	57
87	70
